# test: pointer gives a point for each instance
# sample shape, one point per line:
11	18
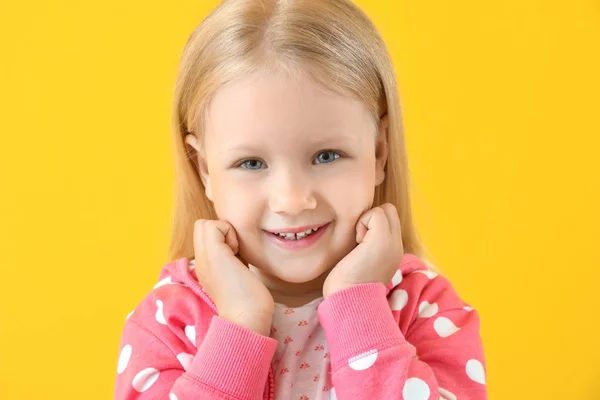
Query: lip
297	229
299	243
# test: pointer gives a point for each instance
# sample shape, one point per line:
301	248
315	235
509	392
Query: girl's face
282	154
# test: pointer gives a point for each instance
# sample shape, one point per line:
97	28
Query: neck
296	301
291	294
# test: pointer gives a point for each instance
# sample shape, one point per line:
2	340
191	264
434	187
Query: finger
231	237
362	225
393	219
373	220
361	228
218	232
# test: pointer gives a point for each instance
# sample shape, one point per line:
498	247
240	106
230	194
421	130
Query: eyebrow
323	141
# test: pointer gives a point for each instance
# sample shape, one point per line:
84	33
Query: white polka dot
144	379
415	389
185	360
163	282
332	395
397	278
190	332
468	308
475	371
427	310
398	299
444	327
172	396
363	361
429	274
129	315
160	315
191	264
446	395
124	358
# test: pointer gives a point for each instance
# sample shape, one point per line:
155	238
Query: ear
381	149
192	141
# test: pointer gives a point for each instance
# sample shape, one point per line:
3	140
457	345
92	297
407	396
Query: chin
301	275
295	271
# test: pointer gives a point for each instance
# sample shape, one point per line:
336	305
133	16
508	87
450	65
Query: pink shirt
412	339
301	363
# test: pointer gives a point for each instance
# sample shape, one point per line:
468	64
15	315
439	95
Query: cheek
356	189
235	203
350	198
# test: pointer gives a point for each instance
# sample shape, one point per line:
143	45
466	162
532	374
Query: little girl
298	272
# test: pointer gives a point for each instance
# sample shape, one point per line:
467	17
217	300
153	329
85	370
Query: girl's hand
378	254
238	294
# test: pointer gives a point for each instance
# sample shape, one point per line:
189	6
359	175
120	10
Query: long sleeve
158	358
419	343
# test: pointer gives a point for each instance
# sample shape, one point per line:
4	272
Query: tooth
296	236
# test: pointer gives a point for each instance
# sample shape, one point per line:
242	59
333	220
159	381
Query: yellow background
501	103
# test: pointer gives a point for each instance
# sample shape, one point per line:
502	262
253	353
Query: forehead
261	107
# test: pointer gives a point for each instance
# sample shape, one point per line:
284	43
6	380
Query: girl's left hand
378	254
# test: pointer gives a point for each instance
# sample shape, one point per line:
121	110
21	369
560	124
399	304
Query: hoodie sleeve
158	358
439	355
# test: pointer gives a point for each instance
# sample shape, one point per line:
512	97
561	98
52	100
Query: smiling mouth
303	237
296	233
296	236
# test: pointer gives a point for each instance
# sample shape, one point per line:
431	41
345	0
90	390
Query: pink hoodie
412	339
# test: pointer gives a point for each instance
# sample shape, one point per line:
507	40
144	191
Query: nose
291	194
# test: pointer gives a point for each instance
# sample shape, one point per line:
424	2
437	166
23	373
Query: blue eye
251	164
330	156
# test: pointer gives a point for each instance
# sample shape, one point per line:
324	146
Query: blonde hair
333	41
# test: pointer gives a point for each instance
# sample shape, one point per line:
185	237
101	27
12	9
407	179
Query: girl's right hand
239	295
